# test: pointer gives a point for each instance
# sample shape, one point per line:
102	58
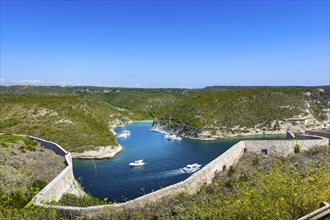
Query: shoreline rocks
104	152
207	135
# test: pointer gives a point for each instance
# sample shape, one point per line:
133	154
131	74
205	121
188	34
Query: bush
297	149
37	185
83	201
255	161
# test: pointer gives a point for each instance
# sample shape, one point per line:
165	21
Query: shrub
231	171
297	149
37	185
255	161
83	201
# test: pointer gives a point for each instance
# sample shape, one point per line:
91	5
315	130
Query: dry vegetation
25	168
20	166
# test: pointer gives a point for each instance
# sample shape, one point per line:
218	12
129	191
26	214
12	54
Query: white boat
124	134
158	130
155	130
176	138
136	163
172	137
163	132
127	132
190	168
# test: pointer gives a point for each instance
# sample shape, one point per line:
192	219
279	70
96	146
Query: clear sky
190	44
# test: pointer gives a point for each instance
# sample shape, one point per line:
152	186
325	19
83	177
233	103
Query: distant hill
76	123
145	103
85	112
245	111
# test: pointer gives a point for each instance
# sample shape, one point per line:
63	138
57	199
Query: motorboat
124	134
190	168
155	130
136	163
158	130
172	137
176	138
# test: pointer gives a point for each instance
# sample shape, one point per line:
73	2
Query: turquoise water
116	180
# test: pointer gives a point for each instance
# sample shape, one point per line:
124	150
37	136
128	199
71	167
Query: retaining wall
282	147
319	133
62	183
190	185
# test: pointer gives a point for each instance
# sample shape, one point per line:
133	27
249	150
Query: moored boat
137	163
124	134
172	137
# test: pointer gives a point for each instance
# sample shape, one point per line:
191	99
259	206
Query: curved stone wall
62	183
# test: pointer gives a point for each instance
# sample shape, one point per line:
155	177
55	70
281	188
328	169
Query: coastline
250	134
104	152
206	135
140	121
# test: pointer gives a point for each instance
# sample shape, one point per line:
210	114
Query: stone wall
282	147
190	185
325	134
63	183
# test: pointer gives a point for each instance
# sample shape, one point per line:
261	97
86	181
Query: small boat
137	163
154	129
127	132
172	137
163	132
124	134
158	130
190	168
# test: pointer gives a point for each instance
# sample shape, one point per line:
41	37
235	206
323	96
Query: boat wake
171	173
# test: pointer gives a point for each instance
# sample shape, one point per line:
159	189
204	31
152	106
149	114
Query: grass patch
9	138
79	201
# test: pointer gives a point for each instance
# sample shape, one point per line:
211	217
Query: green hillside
145	103
76	123
262	108
84	112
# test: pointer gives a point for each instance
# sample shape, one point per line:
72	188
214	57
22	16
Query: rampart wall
62	183
325	134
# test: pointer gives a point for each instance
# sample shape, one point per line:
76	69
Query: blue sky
190	44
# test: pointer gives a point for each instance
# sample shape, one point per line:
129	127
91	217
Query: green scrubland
254	108
76	123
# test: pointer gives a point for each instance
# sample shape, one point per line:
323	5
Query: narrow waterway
116	180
